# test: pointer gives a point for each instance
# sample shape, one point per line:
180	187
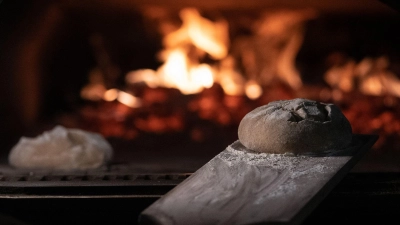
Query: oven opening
168	84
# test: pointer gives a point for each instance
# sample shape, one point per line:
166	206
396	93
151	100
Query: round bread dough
295	126
61	149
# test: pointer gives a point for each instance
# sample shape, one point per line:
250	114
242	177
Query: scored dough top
295	126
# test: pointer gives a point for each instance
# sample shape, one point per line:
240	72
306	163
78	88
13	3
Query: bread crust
295	126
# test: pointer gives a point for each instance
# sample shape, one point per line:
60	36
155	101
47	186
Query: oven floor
141	173
359	197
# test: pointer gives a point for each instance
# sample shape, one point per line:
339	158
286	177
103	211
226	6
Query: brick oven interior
50	49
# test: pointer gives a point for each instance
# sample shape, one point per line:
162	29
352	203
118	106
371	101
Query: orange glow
231	81
123	97
128	99
230	87
179	71
93	92
110	95
147	76
211	37
188	75
203	75
372	76
341	76
372	86
198	37
253	90
204	34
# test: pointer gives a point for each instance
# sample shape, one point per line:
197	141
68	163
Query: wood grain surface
239	186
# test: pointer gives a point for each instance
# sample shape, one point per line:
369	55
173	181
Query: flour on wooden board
290	167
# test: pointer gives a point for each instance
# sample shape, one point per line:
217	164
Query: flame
128	99
122	97
270	53
179	70
211	37
264	56
341	77
203	75
253	90
231	81
370	76
93	92
95	89
204	34
147	76
110	95
176	73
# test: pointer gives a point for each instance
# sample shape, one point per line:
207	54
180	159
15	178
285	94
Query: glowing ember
128	99
147	76
110	95
122	97
202	75
253	90
341	76
93	92
95	89
370	76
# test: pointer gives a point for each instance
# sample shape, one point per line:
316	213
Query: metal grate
116	181
12	179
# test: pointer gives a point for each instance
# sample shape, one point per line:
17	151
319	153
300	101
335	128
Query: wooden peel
239	186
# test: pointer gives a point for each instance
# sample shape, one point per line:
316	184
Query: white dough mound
61	149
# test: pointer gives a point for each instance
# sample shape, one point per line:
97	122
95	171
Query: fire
204	34
268	55
203	75
97	92
231	81
128	99
197	37
253	90
179	70
147	76
110	95
227	78
95	89
370	76
265	56
123	97
93	92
